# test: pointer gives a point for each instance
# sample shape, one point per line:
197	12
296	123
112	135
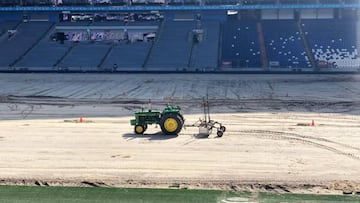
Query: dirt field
269	143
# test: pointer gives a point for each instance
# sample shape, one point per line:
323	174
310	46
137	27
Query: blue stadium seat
128	56
206	52
85	56
241	44
284	44
335	44
44	55
173	47
26	36
7	25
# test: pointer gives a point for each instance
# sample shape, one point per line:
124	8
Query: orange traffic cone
313	123
81	119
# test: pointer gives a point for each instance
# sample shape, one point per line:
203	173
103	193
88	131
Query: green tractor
170	120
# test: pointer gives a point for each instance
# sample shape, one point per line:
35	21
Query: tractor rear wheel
139	129
171	124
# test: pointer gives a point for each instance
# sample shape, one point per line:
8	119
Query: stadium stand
27	35
127	56
118	2
5	26
9	3
101	38
163	2
100	2
84	56
335	44
205	53
37	2
172	50
285	48
43	56
241	44
86	48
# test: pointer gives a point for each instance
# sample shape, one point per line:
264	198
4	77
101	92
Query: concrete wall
325	13
308	13
271	14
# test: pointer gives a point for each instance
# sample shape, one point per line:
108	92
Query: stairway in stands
49	29
191	62
58	63
263	56
5	26
172	51
27	35
105	56
307	46
205	52
154	44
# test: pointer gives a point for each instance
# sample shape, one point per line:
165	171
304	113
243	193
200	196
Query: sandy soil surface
269	143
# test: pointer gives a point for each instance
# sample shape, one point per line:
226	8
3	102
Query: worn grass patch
22	194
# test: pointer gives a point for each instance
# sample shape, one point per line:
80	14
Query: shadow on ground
200	136
154	136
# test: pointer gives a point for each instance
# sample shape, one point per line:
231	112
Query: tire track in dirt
130	91
308	137
84	90
275	135
27	111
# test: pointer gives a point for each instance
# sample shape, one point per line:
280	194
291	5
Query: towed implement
206	125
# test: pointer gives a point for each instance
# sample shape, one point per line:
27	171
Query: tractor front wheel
171	124
139	129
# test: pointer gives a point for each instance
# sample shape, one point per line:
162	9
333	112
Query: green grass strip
27	194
